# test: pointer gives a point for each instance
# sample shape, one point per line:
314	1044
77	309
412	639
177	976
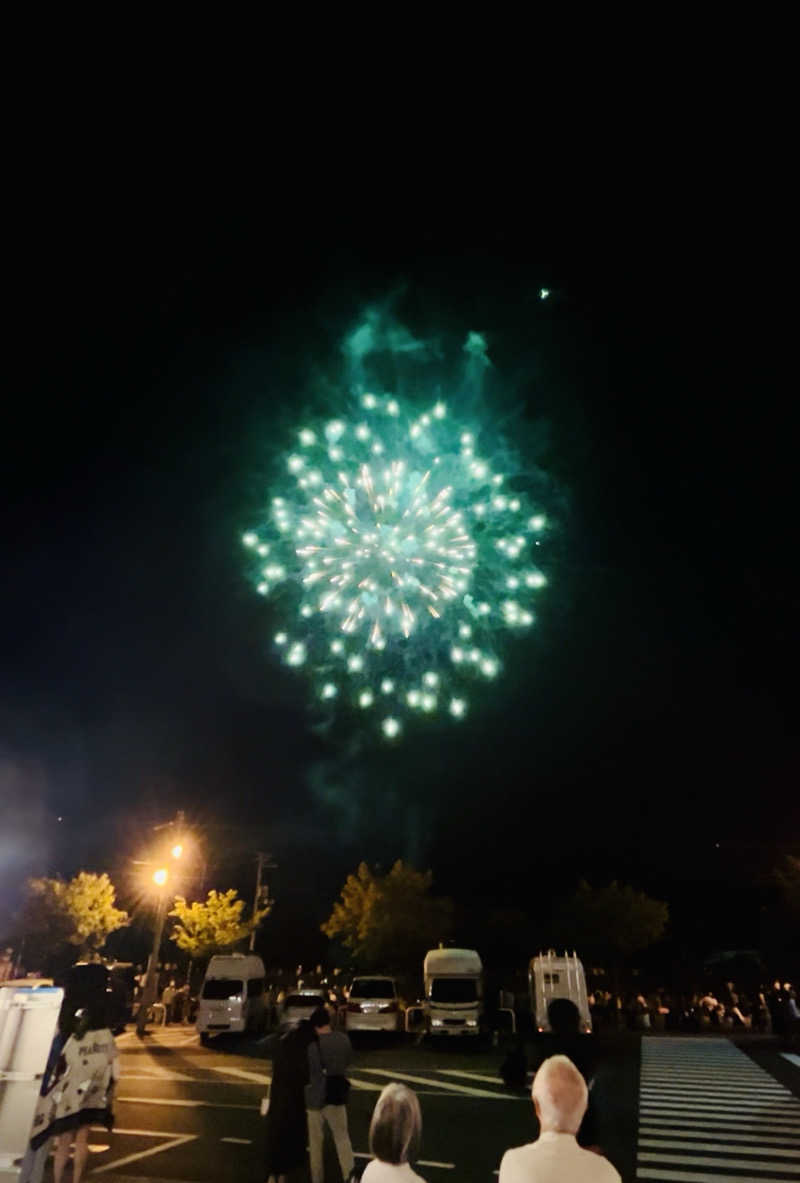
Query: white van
232	997
453	991
551	976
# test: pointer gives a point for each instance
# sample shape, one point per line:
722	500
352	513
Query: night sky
642	733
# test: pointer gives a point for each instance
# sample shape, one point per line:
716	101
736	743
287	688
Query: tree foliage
202	929
389	921
80	912
613	921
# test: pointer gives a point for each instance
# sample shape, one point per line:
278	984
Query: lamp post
160	878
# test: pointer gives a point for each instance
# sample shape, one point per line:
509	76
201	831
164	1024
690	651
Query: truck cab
453	991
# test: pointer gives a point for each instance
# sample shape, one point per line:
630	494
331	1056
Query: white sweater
389	1172
555	1158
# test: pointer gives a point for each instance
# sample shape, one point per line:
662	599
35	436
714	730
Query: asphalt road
672	1109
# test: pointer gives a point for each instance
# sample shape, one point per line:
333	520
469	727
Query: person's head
320	1019
564	1016
396	1126
560	1096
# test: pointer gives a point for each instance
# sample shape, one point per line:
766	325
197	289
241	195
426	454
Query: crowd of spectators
768	1010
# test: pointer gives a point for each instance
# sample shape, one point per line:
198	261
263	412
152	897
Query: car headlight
437	1022
472	1022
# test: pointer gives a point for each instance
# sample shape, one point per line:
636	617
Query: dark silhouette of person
286	1117
565	1039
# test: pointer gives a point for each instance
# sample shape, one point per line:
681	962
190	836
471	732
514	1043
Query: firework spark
405	557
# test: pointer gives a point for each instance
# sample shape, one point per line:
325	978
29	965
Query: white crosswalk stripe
709	1114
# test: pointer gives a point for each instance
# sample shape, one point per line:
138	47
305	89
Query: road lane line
664	1175
671	1109
178	1140
179	1077
687	1120
444	1084
752	1102
160	1073
183	1104
243	1074
470	1075
792	1058
238	1141
708	1160
696	1130
101	1129
668	1143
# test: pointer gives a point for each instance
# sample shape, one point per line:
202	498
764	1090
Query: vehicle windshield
454	990
311	1001
372	988
215	989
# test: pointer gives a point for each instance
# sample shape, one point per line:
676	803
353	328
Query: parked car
373	1004
299	1005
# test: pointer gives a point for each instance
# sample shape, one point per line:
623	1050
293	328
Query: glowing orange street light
177	850
160	876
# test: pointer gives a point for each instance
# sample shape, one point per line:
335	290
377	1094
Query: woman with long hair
394	1137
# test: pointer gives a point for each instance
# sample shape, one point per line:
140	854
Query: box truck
453	991
552	976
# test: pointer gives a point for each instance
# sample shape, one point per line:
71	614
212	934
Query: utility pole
264	863
150	985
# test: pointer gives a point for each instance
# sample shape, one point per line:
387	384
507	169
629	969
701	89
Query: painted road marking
243	1074
470	1075
238	1141
792	1058
670	1176
97	1129
701	1131
203	1080
182	1103
721	1160
444	1085
715	1147
175	1141
729	1116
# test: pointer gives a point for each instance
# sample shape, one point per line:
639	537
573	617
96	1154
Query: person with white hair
560	1098
394	1137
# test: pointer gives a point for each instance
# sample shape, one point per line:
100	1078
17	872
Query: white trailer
453	991
551	976
28	1017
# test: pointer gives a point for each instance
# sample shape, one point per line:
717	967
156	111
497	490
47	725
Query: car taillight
354	1008
392	1006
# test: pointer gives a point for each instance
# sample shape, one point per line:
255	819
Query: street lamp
161	878
149	988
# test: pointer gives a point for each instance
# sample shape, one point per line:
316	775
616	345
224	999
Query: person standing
286	1114
326	1094
559	1097
394	1137
81	1090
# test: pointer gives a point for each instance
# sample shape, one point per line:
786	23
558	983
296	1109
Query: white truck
453	992
551	976
232	996
28	1017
